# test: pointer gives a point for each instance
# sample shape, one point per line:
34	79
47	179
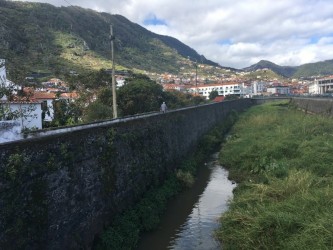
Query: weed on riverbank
282	160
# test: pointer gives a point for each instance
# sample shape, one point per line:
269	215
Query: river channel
191	218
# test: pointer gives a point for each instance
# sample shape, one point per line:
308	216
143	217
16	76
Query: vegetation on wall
282	159
24	200
106	161
124	233
23	213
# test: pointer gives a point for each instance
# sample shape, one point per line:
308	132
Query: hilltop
44	38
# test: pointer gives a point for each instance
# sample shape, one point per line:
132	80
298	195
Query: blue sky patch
314	40
224	42
153	20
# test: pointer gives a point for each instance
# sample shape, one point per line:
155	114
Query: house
69	96
46	99
28	114
173	87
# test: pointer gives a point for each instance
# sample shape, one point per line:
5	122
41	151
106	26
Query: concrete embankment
315	105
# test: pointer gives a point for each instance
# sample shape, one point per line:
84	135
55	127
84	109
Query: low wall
60	189
10	130
315	105
269	99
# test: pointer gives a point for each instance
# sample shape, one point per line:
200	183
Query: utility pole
114	98
196	74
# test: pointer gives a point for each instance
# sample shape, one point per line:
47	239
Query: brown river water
191	218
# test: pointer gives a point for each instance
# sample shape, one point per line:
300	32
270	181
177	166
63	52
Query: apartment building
321	86
222	89
278	90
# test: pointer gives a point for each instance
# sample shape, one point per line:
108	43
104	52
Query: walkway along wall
58	190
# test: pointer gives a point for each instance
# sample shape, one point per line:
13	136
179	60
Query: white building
314	88
28	114
258	87
2	71
4	82
321	86
246	90
46	99
222	89
3	78
278	90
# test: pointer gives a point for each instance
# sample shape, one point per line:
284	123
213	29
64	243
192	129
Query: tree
65	113
105	96
213	94
97	111
90	80
231	97
177	99
101	108
139	95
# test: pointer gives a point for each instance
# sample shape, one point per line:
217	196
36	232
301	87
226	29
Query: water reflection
193	216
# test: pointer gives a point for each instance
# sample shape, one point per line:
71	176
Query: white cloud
282	31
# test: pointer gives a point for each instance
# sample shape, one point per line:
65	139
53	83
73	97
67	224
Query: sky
233	33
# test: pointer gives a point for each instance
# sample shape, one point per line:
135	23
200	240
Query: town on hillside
34	108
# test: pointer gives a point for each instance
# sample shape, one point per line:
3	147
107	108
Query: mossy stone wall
59	191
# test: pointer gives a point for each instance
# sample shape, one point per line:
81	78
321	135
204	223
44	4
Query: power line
68	3
76	7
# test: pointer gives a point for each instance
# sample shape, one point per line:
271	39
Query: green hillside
315	69
285	71
38	37
305	70
263	75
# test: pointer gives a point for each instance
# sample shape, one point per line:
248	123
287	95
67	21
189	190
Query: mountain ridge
304	70
40	37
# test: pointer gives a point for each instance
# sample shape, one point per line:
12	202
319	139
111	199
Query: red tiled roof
19	102
43	95
71	95
219	98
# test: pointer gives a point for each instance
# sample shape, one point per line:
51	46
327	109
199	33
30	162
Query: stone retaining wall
315	105
59	189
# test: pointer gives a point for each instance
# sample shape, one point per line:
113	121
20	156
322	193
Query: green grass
282	160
